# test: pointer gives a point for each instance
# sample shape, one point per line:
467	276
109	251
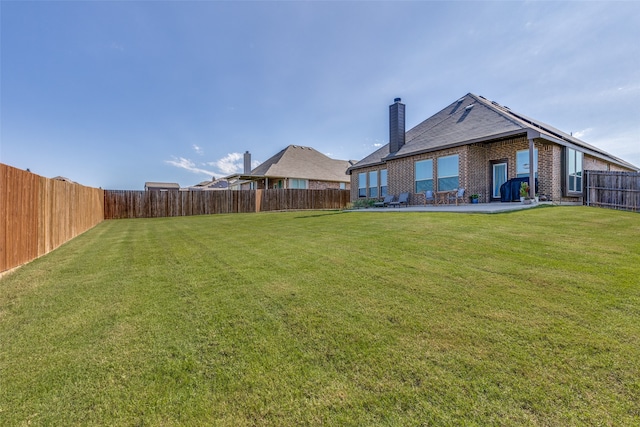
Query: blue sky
113	94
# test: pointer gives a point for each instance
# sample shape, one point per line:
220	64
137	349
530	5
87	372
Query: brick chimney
396	126
247	163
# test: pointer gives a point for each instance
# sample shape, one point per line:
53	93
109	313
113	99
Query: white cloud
230	164
181	162
116	46
582	133
198	149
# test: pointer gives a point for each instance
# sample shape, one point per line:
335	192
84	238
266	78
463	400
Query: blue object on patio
429	197
456	196
510	190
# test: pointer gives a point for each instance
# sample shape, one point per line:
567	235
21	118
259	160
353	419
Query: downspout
532	172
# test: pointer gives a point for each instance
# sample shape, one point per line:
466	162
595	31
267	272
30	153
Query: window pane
422	186
578	161
447	184
522	163
383	178
424	170
362	185
572	161
383	191
448	166
373	179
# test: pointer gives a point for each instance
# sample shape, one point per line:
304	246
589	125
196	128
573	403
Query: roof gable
473	118
297	161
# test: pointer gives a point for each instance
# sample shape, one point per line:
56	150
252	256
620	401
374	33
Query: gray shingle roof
297	161
471	119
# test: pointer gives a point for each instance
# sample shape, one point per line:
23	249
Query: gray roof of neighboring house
472	119
215	184
165	185
300	162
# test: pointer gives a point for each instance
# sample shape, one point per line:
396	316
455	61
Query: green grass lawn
333	318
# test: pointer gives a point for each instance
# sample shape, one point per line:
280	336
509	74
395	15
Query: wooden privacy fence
157	204
615	190
38	214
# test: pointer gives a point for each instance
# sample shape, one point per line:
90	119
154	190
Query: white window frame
372	188
298	183
522	170
575	169
424	179
384	186
362	184
442	177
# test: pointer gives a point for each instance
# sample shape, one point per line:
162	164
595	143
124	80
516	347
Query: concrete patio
495	207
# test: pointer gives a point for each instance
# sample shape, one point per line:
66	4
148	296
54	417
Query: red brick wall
475	169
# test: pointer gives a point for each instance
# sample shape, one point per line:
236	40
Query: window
362	184
522	163
343	186
448	173
373	184
574	171
298	183
424	175
383	183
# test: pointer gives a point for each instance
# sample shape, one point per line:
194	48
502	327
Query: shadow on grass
319	215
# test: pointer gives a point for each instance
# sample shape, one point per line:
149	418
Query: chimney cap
397	100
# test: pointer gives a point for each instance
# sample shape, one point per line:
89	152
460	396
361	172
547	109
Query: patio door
499	177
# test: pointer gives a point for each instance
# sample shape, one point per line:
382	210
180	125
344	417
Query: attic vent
495	103
469	107
460	100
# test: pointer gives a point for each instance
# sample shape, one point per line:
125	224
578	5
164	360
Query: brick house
478	145
293	167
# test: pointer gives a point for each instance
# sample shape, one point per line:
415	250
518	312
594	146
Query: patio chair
457	196
384	203
403	199
429	197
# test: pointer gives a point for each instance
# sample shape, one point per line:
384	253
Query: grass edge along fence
121	204
39	214
613	190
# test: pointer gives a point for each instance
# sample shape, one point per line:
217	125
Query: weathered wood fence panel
615	190
38	214
157	204
293	199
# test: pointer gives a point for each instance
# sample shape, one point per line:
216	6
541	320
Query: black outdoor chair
384	203
403	199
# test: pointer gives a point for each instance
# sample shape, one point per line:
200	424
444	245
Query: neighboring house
478	145
62	178
294	167
161	186
213	185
